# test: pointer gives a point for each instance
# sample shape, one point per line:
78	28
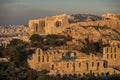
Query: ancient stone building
112	53
36	26
49	25
111	16
57	24
68	63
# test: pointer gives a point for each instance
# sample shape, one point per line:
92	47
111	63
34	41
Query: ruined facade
66	62
49	25
112	54
36	26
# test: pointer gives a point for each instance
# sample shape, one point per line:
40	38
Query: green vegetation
16	68
36	38
9	71
92	47
56	40
18	51
1	51
49	40
37	41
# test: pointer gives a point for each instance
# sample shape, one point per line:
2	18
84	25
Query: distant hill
86	17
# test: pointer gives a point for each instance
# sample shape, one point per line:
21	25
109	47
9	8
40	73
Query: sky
16	12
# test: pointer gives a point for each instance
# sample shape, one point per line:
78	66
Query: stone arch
98	64
53	66
42	58
111	56
67	65
87	66
73	66
92	64
105	64
107	56
47	58
79	65
115	49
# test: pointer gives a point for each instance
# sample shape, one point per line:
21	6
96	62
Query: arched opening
115	50
47	58
98	64
53	67
111	50
107	56
79	65
87	68
73	66
92	64
111	56
67	65
43	59
58	23
105	64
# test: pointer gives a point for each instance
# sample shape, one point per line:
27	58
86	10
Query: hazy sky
20	11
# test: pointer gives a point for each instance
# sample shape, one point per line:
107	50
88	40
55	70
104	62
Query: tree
37	40
55	40
1	51
15	42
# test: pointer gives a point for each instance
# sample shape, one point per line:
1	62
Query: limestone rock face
93	33
115	24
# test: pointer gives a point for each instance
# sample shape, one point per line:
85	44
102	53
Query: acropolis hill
57	24
74	44
69	58
96	28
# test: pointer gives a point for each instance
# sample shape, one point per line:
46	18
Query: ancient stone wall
112	54
57	24
36	26
71	63
49	25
